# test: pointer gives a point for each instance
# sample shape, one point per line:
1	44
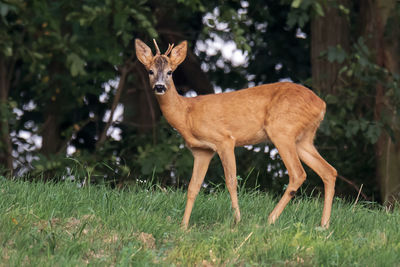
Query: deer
284	113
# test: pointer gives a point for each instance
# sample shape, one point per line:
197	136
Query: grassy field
63	225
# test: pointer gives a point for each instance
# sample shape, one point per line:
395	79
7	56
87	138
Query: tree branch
356	187
125	69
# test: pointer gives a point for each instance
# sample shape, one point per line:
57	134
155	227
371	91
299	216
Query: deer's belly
251	138
237	138
194	142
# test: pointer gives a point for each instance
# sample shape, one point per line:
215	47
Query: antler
157	49
170	46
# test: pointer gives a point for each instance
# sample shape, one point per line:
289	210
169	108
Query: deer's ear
178	54
143	53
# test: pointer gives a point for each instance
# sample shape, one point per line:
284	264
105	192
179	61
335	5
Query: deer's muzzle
159	89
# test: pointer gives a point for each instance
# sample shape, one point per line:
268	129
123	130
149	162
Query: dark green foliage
351	123
61	55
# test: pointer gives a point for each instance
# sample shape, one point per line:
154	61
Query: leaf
5	9
344	9
336	54
37	55
76	65
331	99
373	133
363	124
318	9
343	69
352	128
174	148
296	3
363	61
349	73
8	51
291	20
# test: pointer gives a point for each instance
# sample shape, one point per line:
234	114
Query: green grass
63	225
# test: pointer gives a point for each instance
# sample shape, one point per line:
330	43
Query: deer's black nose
159	88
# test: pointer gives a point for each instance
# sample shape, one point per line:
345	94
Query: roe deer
285	113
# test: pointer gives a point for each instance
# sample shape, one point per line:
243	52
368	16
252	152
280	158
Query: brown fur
287	114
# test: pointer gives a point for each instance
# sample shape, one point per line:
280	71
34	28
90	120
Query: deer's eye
169	72
151	72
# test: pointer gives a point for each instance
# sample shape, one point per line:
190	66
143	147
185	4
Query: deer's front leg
202	158
227	156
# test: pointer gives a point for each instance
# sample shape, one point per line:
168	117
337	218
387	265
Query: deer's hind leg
285	142
310	156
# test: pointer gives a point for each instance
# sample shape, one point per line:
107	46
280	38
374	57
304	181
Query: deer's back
247	114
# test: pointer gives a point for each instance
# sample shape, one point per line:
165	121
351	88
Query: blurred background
75	104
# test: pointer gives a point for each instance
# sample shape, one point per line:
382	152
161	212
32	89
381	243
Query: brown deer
284	113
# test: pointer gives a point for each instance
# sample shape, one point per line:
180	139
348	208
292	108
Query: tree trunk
141	108
6	158
51	132
330	30
382	38
51	135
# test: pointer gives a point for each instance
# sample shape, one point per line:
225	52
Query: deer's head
160	66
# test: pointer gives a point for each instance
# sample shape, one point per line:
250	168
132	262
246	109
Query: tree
49	42
12	50
382	36
6	157
359	65
325	74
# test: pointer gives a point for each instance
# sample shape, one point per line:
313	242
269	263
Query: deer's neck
173	107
